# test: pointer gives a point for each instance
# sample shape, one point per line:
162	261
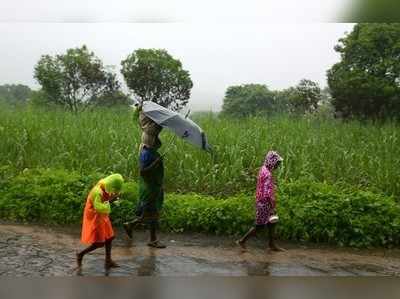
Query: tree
14	93
326	95
372	11
248	99
366	82
113	96
325	109
304	97
75	78
154	75
39	98
113	99
281	101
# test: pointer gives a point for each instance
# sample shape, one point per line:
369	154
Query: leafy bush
319	212
309	211
44	195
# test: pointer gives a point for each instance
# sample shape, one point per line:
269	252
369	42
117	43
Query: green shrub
319	212
308	211
44	195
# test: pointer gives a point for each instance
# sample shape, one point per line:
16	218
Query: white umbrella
182	126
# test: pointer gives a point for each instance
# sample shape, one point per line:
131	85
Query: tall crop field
358	154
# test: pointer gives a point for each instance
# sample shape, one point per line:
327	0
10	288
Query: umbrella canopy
182	126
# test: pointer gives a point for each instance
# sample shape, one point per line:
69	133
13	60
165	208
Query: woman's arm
102	207
115	198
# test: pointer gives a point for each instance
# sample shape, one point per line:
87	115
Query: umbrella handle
168	146
187	114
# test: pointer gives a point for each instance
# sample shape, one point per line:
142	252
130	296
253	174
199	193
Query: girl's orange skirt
96	228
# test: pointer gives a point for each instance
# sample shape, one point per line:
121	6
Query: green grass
360	155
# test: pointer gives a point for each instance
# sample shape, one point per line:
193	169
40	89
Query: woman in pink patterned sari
265	201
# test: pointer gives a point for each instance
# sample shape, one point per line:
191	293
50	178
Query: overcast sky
246	44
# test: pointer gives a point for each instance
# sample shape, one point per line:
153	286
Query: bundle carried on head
150	132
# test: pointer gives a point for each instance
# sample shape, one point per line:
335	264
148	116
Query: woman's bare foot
128	229
79	258
275	248
156	244
242	245
110	264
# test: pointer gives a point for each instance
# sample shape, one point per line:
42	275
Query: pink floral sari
265	191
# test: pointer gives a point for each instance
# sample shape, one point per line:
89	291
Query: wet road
41	251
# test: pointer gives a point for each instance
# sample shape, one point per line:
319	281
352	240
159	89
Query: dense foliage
258	99
75	79
248	99
309	211
154	75
366	82
14	93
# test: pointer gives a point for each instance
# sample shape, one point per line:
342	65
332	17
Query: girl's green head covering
113	183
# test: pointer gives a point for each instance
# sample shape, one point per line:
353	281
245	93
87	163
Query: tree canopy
14	93
304	97
366	82
154	75
248	99
75	79
258	99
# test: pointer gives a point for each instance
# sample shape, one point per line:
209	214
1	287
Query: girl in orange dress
96	228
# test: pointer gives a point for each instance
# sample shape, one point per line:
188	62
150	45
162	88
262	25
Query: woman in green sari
151	192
